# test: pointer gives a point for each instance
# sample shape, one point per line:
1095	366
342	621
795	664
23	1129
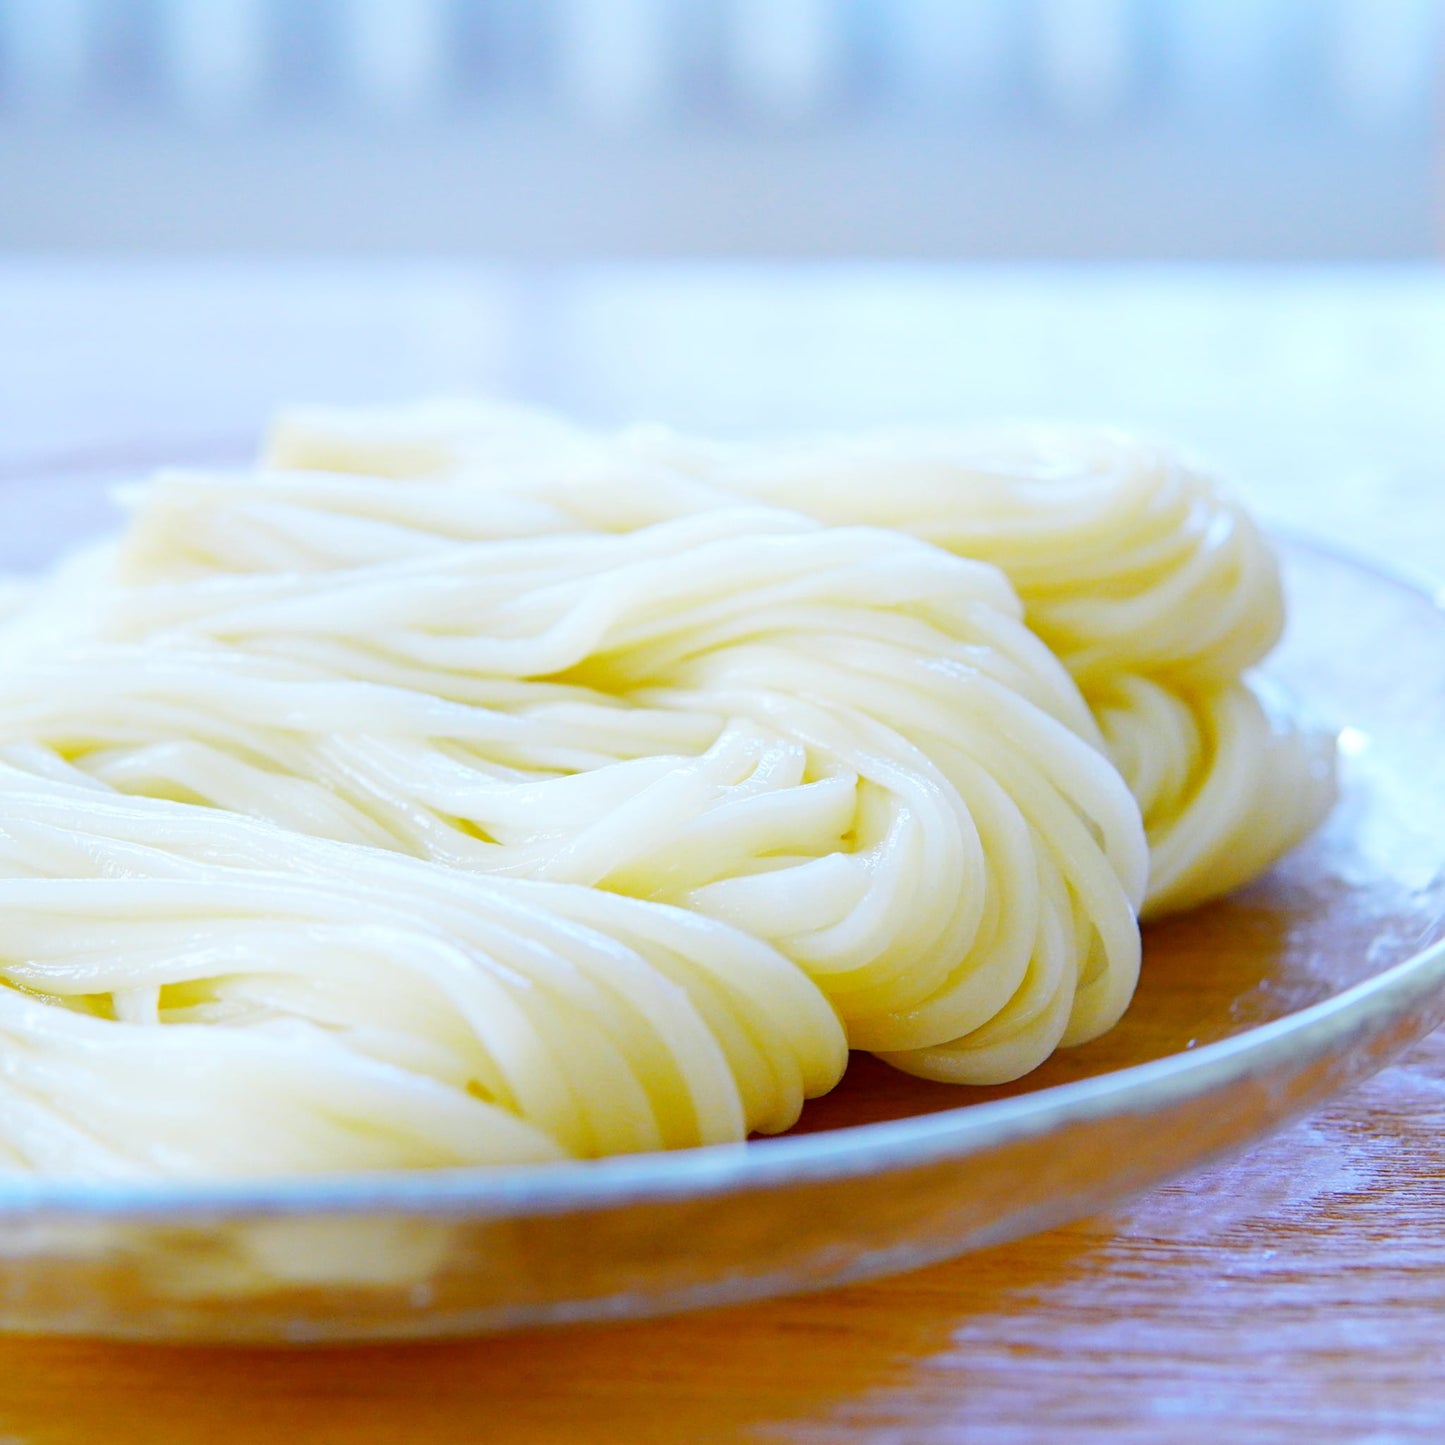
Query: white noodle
595	794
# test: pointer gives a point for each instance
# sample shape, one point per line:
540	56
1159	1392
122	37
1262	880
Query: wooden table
1297	1293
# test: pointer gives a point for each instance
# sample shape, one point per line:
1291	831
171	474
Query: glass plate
1249	1012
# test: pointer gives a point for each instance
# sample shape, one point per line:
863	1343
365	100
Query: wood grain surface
1294	1293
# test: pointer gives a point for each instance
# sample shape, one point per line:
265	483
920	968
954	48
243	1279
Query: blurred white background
541	129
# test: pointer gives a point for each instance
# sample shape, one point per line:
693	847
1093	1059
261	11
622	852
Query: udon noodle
466	788
1152	585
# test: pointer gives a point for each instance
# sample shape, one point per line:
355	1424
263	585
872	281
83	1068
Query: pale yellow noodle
591	794
1131	562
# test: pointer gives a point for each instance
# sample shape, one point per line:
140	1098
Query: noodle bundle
1133	566
197	993
581	795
